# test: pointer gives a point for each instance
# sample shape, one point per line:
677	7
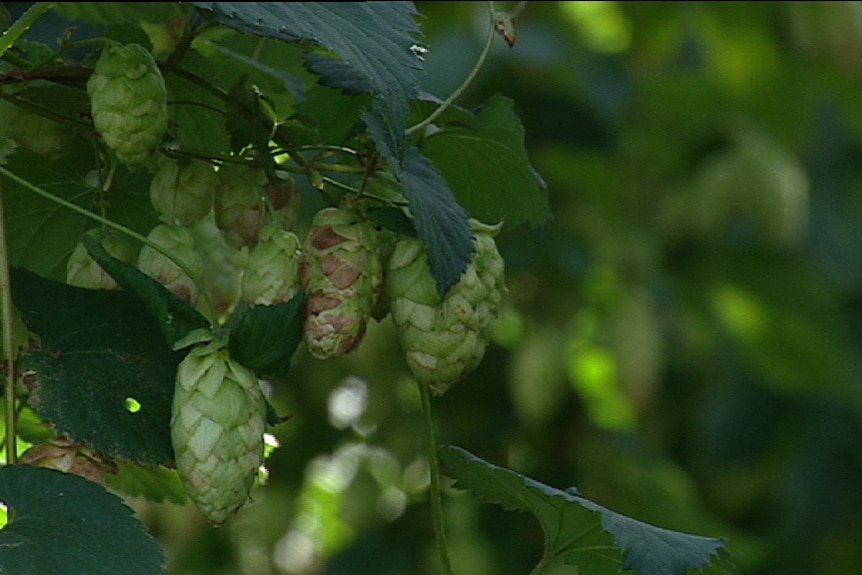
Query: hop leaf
341	273
128	101
272	276
444	340
178	242
182	193
83	271
217	425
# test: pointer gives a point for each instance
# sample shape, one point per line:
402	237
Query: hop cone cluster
217	425
128	101
273	271
444	340
341	274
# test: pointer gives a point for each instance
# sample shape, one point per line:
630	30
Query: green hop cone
180	243
128	101
444	340
218	420
83	271
182	192
273	271
342	277
239	204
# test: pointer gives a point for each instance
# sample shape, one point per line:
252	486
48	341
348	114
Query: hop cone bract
444	340
341	274
128	101
217	425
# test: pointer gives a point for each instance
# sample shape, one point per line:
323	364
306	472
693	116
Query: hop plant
223	265
179	242
83	271
273	272
128	101
342	277
444	340
218	419
182	193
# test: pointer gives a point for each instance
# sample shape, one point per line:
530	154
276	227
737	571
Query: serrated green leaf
373	38
331	113
581	532
198	117
98	348
157	484
441	222
174	316
264	338
65	524
487	166
372	41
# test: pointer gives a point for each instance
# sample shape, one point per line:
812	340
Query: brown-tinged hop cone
342	277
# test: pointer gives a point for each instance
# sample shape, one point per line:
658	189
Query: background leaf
570	532
98	348
487	167
65	524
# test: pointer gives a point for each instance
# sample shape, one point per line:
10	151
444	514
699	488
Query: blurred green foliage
681	342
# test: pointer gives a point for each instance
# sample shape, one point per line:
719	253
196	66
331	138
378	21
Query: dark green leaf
158	484
264	338
332	113
98	349
117	12
35	223
174	316
441	222
487	166
579	531
65	524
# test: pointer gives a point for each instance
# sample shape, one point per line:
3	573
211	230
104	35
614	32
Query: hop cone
42	135
182	193
272	276
180	243
444	340
128	101
239	205
223	264
83	271
217	425
341	274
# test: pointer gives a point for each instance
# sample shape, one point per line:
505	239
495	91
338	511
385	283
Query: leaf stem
434	469
8	341
467	81
16	30
119	227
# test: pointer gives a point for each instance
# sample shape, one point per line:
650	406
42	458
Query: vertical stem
8	342
436	502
